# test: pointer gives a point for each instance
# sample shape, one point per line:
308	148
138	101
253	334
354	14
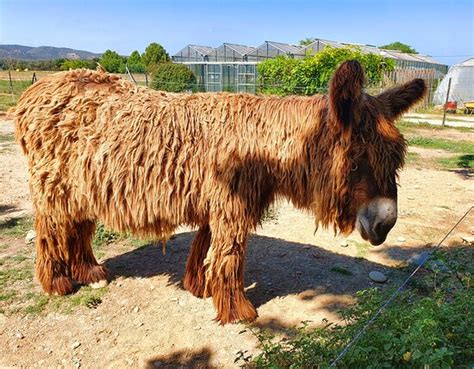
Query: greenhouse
462	84
233	68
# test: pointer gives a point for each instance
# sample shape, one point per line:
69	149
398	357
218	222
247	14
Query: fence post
130	75
33	79
446	102
146	79
11	85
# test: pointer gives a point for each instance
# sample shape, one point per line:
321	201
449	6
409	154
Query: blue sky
443	29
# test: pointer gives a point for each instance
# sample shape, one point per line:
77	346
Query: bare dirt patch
144	318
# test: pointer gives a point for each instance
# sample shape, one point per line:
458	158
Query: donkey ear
345	93
399	99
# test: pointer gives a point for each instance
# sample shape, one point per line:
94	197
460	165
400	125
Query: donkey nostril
378	227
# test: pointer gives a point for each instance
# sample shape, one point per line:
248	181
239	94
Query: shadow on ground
274	268
6	209
182	359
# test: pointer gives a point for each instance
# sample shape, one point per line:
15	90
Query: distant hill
20	52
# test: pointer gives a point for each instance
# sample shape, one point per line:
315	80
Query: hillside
20	52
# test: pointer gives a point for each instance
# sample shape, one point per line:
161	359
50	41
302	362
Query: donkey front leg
225	274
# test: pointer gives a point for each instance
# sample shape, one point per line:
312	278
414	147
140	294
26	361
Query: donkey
102	149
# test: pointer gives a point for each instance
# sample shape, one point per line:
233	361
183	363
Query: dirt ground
146	319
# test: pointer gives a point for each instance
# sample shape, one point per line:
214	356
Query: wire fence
13	83
392	297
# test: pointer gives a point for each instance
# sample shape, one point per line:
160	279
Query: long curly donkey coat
100	148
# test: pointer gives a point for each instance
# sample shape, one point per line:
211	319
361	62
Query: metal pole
446	102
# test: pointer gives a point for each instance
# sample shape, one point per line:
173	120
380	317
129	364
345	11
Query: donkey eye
354	167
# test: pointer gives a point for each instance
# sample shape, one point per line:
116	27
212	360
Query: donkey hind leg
225	277
194	278
83	265
51	256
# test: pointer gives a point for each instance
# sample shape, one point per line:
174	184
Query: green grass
412	158
7	138
405	126
16	227
441	144
18	291
8	100
457	162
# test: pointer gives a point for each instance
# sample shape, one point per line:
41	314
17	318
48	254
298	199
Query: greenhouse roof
240	49
315	46
203	50
287	48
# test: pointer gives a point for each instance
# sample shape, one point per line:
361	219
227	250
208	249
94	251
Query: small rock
100	284
75	345
174	299
418	258
136	309
3	320
77	362
19	335
196	328
30	236
377	277
401	239
344	243
468	240
140	324
410	198
416	186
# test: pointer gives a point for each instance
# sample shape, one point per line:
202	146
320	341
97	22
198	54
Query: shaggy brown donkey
100	148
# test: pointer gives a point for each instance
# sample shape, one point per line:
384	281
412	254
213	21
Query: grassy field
459	154
22	80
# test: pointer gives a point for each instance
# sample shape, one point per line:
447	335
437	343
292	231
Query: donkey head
368	151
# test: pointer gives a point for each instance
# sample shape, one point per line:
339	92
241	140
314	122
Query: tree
307	41
135	63
284	75
404	48
154	54
77	64
112	62
173	77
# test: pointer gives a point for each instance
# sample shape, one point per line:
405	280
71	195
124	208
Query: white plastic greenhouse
462	84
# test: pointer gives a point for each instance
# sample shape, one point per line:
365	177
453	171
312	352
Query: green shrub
173	78
284	75
77	64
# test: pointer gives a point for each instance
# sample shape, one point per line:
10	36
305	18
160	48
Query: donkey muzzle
376	219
